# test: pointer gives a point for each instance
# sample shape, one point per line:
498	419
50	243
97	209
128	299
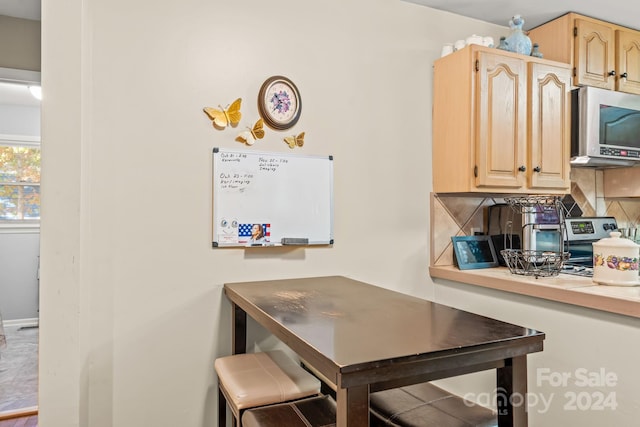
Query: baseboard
21	323
19	413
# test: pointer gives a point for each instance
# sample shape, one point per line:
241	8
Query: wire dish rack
533	204
534	263
530	262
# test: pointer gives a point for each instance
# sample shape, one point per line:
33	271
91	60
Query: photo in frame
474	252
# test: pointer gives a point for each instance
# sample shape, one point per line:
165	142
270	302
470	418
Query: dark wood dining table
367	338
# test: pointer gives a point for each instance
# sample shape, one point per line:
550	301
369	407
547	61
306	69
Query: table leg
238	330
352	406
512	393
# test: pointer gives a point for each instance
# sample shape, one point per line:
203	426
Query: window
19	181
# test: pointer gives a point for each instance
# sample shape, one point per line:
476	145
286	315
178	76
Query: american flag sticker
244	232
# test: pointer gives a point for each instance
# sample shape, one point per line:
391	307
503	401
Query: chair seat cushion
313	412
256	379
424	404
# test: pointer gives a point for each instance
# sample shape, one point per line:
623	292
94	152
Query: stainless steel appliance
542	229
581	233
542	253
605	128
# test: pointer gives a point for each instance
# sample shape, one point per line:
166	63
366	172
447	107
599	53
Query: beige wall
19	43
132	310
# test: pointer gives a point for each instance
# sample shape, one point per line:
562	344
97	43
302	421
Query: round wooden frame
271	114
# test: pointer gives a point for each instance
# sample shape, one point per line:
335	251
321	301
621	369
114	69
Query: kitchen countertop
569	289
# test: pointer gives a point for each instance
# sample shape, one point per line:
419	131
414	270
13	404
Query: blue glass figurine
518	41
536	51
503	43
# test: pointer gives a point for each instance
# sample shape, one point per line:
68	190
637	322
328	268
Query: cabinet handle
522	168
623	75
537	169
612	72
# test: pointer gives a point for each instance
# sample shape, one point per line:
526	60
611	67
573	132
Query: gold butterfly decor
222	118
292	141
250	136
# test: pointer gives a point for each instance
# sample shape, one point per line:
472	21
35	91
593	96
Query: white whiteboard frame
322	237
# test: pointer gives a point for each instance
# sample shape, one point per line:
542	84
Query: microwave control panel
619	152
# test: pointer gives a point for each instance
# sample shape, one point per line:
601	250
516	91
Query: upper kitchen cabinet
501	123
603	54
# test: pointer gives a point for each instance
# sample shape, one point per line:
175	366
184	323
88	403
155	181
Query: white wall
19	120
19	253
132	310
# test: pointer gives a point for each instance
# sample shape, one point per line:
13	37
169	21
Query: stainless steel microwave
605	128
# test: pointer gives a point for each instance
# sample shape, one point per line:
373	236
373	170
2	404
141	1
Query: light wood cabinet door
628	61
549	127
483	102
594	54
602	53
501	121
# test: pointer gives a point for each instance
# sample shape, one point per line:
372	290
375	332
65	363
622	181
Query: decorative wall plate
279	103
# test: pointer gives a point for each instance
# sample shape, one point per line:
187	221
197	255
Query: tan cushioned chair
257	379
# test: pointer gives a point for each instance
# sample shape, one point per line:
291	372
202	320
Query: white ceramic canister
446	49
615	261
474	39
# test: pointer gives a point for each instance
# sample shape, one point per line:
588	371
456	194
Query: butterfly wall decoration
222	118
293	141
250	136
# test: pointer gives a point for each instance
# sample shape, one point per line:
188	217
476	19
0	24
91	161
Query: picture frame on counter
474	252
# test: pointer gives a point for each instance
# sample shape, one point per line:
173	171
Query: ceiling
26	9
625	13
499	12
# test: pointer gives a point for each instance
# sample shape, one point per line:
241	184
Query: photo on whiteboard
254	233
228	231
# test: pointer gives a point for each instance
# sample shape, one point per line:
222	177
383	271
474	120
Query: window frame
25	226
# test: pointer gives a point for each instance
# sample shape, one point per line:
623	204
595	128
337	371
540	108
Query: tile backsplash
461	215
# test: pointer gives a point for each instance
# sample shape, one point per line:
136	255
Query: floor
19	369
28	421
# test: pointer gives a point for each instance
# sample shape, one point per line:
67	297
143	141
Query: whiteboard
289	196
